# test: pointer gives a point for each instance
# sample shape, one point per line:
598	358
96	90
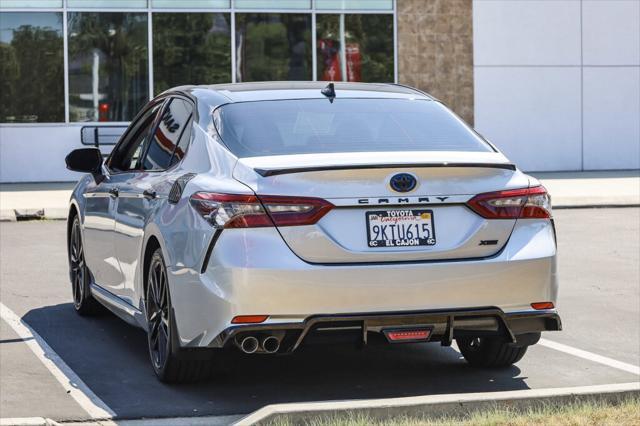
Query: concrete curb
28	421
54	213
173	421
7	215
441	405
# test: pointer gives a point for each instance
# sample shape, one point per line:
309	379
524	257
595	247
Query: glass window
30	3
368	47
127	155
31	67
273	4
167	136
355	4
314	126
191	48
107	4
195	4
108	65
273	46
185	137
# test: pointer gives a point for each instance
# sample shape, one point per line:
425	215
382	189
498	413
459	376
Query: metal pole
343	50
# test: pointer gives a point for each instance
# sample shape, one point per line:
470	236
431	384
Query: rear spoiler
290	170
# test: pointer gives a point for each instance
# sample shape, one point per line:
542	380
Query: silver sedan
260	217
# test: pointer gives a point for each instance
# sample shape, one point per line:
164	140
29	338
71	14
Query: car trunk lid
439	224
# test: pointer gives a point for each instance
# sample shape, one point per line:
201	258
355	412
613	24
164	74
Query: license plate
400	228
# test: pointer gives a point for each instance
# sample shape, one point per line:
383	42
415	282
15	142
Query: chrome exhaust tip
270	344
249	345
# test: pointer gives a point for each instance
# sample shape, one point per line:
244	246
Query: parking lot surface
599	265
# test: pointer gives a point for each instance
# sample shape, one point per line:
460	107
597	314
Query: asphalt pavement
599	261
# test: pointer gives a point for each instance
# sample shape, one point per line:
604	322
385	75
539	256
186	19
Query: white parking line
610	362
79	391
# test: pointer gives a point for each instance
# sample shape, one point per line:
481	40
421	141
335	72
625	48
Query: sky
10	21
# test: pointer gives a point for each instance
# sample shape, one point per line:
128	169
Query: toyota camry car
261	217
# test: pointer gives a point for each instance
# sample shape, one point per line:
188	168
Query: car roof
218	94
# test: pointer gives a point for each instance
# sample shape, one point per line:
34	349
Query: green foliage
191	48
274	47
374	35
32	70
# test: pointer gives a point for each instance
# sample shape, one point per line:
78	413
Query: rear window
312	126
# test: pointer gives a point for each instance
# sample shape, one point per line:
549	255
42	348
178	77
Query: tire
83	302
169	365
490	352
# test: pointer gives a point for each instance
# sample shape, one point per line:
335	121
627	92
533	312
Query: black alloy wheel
171	363
83	301
158	313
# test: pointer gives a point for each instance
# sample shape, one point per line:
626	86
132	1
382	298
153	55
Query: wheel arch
151	245
74	212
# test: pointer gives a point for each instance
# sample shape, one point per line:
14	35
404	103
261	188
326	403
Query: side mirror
85	160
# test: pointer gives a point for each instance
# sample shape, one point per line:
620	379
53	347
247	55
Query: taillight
291	211
251	211
513	204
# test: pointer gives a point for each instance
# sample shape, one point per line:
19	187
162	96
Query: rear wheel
490	352
167	363
83	301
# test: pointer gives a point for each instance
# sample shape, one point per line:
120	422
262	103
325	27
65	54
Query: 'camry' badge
403	182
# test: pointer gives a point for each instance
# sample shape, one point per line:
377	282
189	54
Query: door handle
114	192
148	193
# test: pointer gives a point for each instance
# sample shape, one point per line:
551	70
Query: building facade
555	84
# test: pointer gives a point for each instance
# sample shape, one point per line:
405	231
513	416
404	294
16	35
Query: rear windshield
311	126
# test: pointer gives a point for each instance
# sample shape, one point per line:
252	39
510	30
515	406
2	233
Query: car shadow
111	358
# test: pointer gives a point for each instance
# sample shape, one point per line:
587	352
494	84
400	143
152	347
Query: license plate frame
396	217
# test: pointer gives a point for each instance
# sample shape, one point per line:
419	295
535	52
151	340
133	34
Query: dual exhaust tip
251	344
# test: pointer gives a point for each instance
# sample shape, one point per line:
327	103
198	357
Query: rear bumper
444	326
253	272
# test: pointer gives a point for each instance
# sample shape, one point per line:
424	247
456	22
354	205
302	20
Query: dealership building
554	84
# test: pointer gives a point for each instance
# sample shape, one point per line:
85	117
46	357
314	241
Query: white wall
36	153
557	82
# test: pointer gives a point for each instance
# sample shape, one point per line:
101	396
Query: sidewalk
592	189
567	189
37	200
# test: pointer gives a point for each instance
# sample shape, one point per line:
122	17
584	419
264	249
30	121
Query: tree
191	48
32	72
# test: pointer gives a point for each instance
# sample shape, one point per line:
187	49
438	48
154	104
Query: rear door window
185	137
167	145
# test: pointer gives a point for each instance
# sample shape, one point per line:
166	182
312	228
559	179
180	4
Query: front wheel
490	352
166	361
